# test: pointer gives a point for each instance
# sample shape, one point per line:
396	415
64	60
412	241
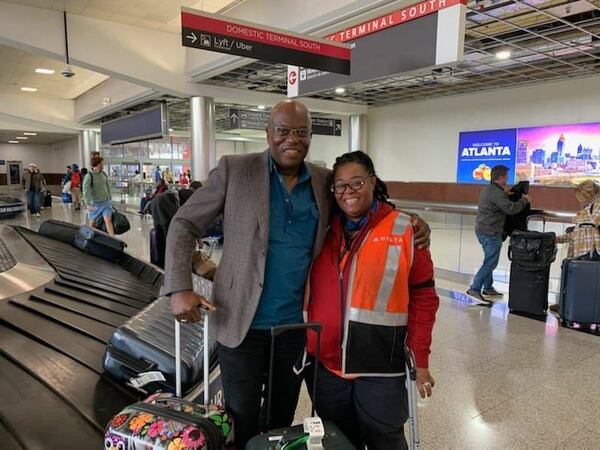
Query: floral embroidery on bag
177	444
119	420
156	429
223	421
193	438
137	424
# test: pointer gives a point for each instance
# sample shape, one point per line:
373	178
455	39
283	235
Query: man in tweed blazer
276	210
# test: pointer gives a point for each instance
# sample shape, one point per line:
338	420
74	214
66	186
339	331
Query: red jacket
326	303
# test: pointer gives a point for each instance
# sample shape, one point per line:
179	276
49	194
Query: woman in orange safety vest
373	290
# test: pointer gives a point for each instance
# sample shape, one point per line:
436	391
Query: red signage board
392	19
225	35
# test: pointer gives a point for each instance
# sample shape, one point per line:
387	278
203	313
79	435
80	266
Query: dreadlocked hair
359	157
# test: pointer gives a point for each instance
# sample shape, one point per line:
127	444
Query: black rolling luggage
531	253
46	199
98	243
59	230
580	292
332	437
145	344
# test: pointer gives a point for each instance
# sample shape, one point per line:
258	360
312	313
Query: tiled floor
502	381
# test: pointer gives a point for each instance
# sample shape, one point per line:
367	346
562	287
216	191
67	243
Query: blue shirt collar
303	176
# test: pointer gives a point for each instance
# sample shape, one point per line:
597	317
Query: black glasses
354	185
283	132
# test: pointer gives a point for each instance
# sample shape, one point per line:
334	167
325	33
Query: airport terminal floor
502	381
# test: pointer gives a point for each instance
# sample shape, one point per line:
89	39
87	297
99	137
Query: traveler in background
33	183
76	179
584	239
183	179
494	205
392	299
96	193
163	208
168	175
276	211
137	177
157	174
161	187
67	177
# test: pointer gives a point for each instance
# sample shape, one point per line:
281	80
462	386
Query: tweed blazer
239	188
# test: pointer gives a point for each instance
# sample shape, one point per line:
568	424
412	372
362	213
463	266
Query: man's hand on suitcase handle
185	306
425	382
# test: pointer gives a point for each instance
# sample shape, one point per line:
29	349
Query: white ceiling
158	14
42	138
18	69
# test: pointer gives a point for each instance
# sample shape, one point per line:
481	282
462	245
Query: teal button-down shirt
293	220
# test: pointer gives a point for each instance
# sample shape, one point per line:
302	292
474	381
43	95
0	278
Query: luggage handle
276	331
205	364
539	217
411	389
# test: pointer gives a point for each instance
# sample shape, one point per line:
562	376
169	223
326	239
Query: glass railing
457	254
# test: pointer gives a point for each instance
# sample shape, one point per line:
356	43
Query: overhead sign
480	151
326	126
248	120
421	36
235	37
243	119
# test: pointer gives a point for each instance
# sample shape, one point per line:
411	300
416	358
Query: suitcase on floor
296	436
98	243
332	437
59	230
528	288
168	422
145	344
46	199
531	253
580	291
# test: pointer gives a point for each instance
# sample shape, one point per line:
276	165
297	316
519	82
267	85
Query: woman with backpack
76	187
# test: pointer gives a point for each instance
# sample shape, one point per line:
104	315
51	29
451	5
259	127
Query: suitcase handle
411	389
276	331
205	361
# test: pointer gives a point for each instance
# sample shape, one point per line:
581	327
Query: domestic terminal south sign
235	37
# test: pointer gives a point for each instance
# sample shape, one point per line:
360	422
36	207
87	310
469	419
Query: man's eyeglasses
283	132
354	185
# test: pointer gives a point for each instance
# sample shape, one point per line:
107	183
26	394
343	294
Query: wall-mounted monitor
557	155
139	126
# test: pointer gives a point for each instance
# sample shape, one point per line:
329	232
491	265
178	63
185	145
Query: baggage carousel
58	309
10	206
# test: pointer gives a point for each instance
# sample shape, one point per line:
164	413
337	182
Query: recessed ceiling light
44	71
28	89
261	107
340	90
22	137
29	133
13	142
504	54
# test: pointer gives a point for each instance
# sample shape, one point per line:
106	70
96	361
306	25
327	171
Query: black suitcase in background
145	343
46	199
98	243
531	253
580	291
528	289
59	230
